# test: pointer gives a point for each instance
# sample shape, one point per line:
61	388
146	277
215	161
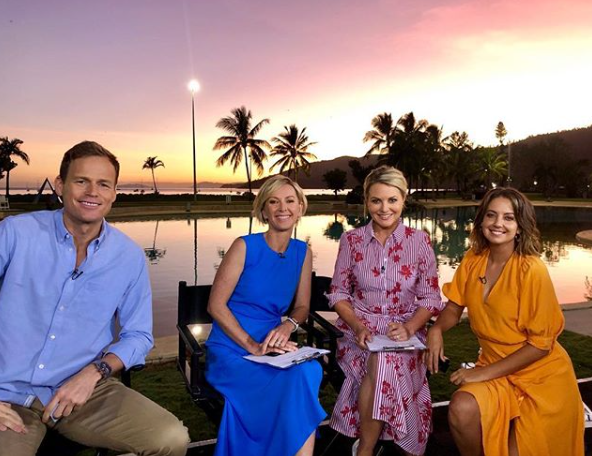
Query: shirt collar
63	235
397	235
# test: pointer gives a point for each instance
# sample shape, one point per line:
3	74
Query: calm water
174	254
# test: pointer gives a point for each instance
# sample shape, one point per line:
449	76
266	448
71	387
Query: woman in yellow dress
522	397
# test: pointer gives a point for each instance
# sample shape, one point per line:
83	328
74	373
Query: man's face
88	190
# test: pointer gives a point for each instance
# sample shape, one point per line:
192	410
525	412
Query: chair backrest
193	304
319	286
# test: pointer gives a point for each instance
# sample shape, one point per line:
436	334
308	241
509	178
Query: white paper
289	359
587	416
383	343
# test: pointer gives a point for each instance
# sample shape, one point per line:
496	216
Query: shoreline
578	319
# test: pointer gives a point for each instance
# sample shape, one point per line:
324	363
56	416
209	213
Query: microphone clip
76	273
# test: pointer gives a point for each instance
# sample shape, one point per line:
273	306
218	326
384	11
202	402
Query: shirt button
52	337
62	307
41	366
70	249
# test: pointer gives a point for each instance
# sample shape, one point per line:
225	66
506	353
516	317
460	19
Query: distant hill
317	169
577	145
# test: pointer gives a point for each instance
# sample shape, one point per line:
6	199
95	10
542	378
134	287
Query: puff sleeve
455	290
539	315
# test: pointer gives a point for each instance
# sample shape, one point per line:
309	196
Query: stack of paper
587	416
289	359
383	343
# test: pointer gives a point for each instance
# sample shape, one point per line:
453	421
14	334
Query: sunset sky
117	71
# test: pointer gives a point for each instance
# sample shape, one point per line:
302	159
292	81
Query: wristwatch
103	368
294	322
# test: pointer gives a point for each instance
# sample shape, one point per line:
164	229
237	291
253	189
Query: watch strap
103	368
294	322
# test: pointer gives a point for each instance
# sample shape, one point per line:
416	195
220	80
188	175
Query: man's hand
72	394
9	419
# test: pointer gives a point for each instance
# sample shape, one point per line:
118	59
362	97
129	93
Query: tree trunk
8	182
248	172
154	181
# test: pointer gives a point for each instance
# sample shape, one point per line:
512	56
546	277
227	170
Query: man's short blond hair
387	175
269	187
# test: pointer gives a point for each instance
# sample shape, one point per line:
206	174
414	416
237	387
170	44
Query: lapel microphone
281	255
483	280
76	273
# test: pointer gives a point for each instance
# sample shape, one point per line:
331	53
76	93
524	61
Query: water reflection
152	253
196	246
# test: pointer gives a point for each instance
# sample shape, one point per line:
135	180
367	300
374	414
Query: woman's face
282	209
499	224
385	204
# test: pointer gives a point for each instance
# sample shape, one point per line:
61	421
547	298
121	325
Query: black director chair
192	311
323	334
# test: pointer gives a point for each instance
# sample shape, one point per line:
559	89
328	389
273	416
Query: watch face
104	369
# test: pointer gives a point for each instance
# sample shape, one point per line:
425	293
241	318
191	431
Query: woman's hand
260	349
363	335
462	376
435	350
398	331
278	339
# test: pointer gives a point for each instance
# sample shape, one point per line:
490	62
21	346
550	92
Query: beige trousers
115	417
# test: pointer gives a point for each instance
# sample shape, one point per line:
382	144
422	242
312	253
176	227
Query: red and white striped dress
385	284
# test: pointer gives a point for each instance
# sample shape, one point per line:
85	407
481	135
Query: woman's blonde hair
527	240
269	187
387	175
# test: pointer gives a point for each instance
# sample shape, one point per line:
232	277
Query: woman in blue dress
267	411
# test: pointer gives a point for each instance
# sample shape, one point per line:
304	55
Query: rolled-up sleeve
428	290
135	319
342	283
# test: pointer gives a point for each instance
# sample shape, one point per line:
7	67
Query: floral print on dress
381	292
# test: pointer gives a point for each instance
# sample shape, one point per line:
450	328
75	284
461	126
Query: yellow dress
542	398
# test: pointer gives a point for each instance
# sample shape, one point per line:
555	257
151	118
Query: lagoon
191	248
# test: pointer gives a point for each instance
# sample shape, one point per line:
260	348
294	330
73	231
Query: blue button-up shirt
54	320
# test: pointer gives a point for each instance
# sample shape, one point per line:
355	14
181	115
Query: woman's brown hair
528	239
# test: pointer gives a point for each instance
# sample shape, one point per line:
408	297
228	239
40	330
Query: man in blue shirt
68	281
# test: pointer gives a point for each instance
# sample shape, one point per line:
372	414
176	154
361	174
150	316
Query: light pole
193	87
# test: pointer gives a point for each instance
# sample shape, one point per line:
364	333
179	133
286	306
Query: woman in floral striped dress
385	282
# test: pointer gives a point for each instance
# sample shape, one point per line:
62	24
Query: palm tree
292	147
242	142
10	148
459	158
152	163
406	150
492	163
382	135
501	132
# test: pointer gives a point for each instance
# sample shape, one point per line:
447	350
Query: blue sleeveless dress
267	411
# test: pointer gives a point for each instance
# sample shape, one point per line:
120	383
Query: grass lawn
163	383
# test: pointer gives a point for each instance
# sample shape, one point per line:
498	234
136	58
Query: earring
517	237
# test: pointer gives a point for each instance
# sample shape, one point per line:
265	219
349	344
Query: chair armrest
190	341
326	325
126	377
